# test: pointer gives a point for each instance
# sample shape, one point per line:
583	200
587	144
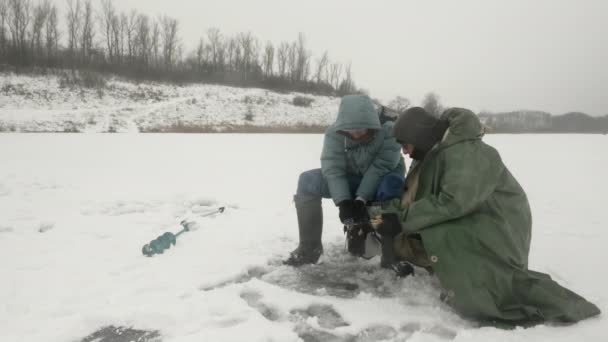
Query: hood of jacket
355	112
463	124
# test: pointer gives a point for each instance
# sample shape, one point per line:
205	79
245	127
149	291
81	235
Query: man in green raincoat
464	215
360	162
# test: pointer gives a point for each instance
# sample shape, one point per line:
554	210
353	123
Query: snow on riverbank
44	104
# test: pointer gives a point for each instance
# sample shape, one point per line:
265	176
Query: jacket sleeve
468	175
383	163
333	167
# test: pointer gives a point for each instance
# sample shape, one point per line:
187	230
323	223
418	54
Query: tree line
524	121
543	122
136	45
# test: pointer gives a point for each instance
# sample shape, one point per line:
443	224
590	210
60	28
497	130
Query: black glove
390	226
353	210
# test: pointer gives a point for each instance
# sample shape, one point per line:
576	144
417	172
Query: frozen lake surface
75	210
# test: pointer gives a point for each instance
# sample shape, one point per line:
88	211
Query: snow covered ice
75	210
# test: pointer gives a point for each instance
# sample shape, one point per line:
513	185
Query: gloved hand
354	210
390	226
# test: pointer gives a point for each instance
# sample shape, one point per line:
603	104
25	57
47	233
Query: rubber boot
390	261
310	226
388	252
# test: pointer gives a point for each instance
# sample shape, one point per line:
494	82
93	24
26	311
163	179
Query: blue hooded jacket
372	160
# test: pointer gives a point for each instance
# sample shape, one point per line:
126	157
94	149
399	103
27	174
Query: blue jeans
313	183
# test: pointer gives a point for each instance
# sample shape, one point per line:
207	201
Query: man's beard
417	154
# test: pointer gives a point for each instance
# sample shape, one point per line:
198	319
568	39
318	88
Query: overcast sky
493	55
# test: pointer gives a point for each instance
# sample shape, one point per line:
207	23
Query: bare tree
306	69
432	104
335	73
254	56
400	104
249	52
87	32
74	25
41	12
244	43
20	11
347	86
215	41
52	33
155	42
179	54
119	26
231	47
143	39
292	62
200	55
129	24
238	54
268	59
282	57
221	55
302	59
107	19
3	23
169	41
321	69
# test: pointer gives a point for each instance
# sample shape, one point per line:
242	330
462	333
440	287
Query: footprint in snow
338	274
111	333
326	315
442	332
253	299
376	333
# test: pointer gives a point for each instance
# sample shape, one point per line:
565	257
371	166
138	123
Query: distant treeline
542	122
524	121
135	45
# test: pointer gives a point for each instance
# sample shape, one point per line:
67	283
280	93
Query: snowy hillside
75	210
47	104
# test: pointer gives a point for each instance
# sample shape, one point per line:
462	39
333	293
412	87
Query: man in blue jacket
361	162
